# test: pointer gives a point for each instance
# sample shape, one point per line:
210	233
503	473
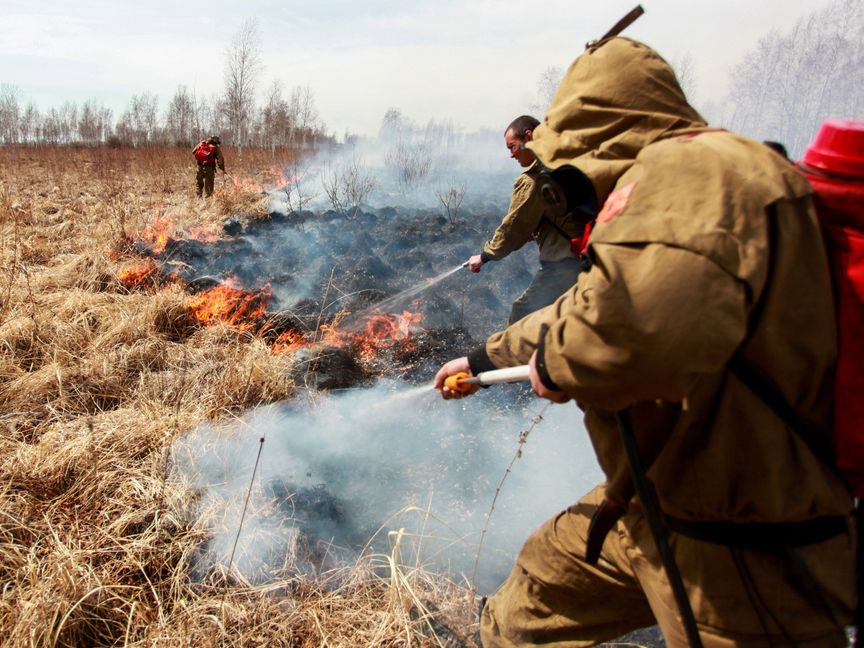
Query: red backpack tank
834	165
205	153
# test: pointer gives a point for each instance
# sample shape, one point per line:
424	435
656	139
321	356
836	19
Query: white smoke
334	468
408	166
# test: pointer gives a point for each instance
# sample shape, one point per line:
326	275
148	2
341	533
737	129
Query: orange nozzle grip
455	383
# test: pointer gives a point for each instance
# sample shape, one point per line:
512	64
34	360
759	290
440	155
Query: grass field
96	382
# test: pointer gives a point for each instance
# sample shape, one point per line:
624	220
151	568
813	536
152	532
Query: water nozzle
460	382
463	381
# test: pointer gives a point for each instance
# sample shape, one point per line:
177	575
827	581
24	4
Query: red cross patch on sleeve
615	203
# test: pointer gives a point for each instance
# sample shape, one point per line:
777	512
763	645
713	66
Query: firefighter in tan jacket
527	220
706	242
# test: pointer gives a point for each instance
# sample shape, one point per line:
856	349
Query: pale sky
476	63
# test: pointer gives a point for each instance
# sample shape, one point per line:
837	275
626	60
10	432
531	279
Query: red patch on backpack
615	203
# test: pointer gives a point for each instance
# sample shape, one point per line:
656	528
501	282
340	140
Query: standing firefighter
696	264
207	154
529	218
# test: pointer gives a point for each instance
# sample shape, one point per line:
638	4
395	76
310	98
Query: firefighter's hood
616	98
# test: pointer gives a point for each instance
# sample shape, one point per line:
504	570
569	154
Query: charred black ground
321	264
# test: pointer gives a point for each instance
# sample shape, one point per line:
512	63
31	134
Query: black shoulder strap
818	443
557	228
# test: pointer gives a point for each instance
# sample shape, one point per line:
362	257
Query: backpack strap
579	242
818	443
742	369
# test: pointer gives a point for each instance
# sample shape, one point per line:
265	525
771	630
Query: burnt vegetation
112	348
102	369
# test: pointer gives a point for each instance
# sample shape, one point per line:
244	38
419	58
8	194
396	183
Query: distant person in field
208	154
528	219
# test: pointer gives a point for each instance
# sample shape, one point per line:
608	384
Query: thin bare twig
523	437
242	517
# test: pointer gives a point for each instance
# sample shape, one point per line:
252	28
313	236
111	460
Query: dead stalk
523	437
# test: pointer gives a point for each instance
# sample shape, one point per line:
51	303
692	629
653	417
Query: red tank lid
838	148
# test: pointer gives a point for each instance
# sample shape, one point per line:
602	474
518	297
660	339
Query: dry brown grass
96	382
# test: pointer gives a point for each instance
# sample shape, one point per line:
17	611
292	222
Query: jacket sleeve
642	324
220	160
518	225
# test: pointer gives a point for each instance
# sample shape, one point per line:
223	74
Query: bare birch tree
308	126
180	118
68	122
546	87
686	75
94	123
791	82
139	123
242	65
277	121
9	114
29	124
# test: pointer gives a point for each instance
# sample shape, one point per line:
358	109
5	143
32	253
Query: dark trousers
205	179
551	281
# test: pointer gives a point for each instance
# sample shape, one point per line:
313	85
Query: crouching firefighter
696	285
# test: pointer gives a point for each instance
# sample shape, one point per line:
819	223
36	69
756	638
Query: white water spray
340	466
355	320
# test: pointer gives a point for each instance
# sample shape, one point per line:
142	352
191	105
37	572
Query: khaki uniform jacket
682	259
524	222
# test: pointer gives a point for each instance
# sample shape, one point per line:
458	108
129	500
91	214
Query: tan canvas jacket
681	257
524	222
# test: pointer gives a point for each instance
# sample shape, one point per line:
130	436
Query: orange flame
385	332
282	179
381	333
239	185
289	341
157	234
232	304
138	274
244	310
164	229
203	233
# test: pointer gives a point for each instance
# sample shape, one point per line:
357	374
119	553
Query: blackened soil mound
326	367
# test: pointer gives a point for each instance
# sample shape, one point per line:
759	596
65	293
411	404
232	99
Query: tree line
283	120
786	86
781	90
791	82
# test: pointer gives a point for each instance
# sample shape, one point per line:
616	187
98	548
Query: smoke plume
338	471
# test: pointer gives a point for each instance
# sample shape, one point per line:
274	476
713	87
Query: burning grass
99	375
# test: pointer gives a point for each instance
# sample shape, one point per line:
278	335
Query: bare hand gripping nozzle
462	381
